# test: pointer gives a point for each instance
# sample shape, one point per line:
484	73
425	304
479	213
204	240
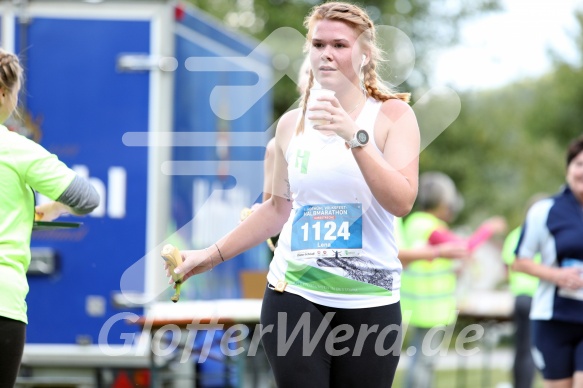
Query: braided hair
358	19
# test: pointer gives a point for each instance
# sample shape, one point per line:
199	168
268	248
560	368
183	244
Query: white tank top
337	248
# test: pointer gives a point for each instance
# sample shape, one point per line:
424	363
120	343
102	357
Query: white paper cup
315	93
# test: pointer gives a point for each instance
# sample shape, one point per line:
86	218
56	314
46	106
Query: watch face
362	136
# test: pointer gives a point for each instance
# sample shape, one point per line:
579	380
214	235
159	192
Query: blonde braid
380	93
304	103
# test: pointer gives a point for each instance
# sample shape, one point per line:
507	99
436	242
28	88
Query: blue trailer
145	99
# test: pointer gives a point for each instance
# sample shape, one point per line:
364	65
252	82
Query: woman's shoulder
286	128
288	122
290	117
539	211
17	141
270	147
394	108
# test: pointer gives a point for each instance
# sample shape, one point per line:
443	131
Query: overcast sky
510	44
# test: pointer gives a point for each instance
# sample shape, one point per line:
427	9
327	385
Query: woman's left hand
328	109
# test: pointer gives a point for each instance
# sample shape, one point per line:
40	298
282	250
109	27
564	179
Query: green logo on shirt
302	159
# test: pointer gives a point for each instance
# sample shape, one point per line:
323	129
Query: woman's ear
365	59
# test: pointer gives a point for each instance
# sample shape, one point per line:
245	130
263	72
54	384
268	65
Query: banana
173	258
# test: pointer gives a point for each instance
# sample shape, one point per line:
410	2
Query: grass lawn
474	378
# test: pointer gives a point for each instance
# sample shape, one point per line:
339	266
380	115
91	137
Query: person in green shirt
25	168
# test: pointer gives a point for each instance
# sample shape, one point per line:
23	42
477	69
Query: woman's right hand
194	262
453	250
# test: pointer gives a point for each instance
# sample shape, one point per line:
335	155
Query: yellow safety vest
520	283
428	287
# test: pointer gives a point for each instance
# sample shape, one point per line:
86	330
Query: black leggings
343	347
12	337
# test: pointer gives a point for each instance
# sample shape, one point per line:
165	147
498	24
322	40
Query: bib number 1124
328	231
337	226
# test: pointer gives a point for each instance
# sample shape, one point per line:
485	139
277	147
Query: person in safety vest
428	287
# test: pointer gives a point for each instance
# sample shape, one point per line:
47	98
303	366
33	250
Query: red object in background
479	237
440	236
179	12
122	381
141	379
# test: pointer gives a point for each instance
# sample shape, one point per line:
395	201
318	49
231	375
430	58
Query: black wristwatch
360	139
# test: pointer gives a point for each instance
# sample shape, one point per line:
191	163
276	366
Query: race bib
334	226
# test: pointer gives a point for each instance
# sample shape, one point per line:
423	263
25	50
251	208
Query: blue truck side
107	90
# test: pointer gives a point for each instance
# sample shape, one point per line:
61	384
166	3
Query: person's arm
444	235
453	250
47	175
268	166
488	228
534	231
79	198
393	176
563	277
265	221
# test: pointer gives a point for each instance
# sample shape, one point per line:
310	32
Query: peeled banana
173	258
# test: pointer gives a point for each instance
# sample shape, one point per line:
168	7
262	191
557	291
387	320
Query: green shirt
24	166
520	283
